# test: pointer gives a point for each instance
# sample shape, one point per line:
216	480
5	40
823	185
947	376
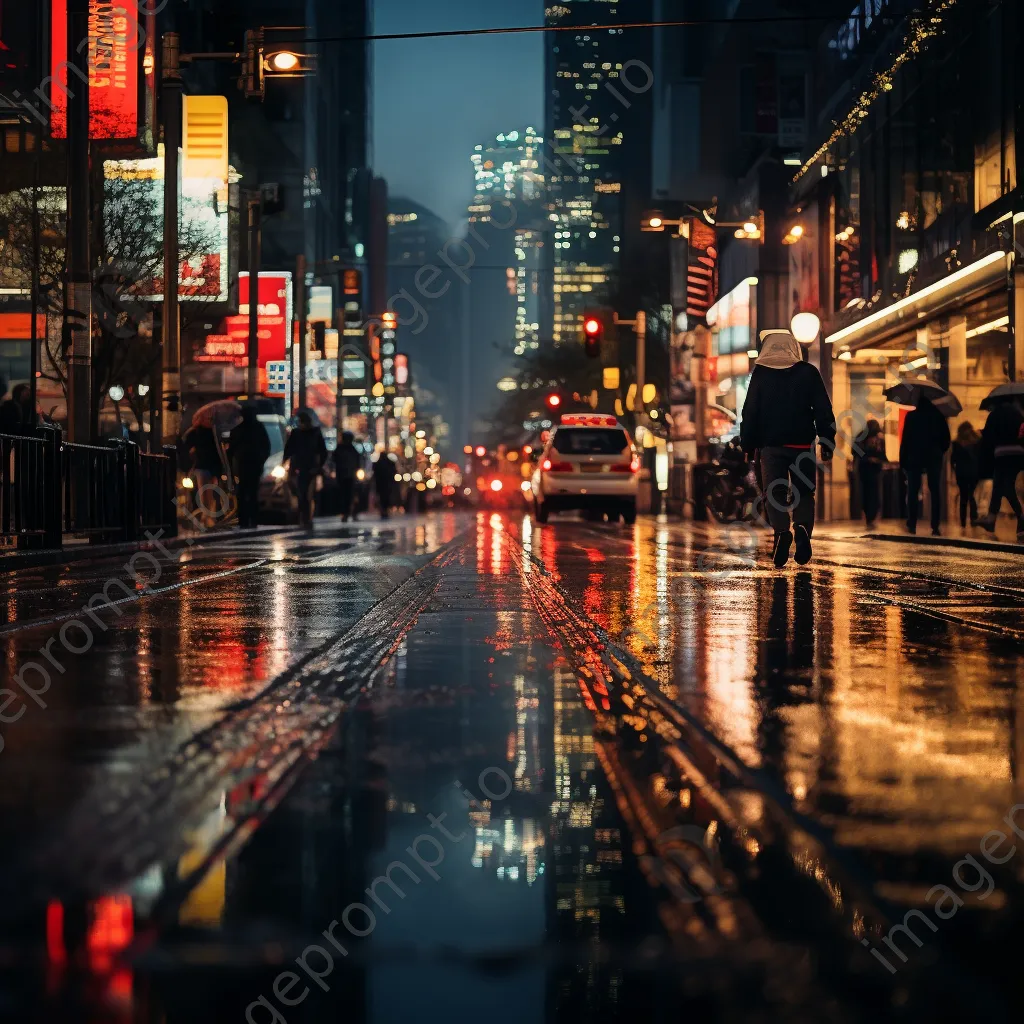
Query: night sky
435	99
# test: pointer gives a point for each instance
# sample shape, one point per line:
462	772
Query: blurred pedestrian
384	482
869	469
347	463
248	451
786	409
204	466
16	413
966	462
1003	434
305	451
922	447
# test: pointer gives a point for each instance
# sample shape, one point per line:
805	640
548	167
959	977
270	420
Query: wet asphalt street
464	765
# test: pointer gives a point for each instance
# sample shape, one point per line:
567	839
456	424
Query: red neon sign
113	69
273	318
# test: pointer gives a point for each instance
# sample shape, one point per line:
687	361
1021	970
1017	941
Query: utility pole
639	326
299	358
172	91
303	346
78	296
255	210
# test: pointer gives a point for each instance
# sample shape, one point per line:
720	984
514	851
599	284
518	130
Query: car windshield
590	441
276	435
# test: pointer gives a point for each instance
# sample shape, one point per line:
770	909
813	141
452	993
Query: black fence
52	490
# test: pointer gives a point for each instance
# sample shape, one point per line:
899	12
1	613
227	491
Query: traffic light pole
78	298
168	424
302	312
255	245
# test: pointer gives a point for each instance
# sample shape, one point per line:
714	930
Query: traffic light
253	64
553	401
593	332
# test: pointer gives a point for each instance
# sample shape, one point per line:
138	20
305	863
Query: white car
589	463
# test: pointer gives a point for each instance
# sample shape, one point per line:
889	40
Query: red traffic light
554	401
593	331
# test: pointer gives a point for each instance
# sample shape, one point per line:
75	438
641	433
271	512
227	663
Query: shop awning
916	310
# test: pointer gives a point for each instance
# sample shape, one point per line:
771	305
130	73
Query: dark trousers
967	485
304	483
248	499
915	474
789	476
383	496
346	494
870	496
1004	484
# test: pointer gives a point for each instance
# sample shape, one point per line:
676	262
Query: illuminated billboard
133	210
274	314
114	45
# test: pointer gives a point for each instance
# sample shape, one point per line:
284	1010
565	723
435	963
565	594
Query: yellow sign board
205	137
611	378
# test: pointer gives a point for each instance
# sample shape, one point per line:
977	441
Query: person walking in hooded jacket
966	463
305	451
924	443
1004	435
869	469
786	410
248	451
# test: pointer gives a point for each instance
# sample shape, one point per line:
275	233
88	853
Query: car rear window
590	440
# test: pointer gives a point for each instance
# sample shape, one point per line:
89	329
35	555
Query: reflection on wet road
571	772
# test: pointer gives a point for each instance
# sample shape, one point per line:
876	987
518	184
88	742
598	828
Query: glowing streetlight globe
805	327
284	61
655	222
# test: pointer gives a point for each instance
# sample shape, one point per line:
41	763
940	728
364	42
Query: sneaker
911	527
780	549
975	521
803	545
988	523
936	532
870	524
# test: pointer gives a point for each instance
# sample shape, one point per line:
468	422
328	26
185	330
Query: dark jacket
383	474
965	459
872	448
201	448
786	407
347	460
925	437
248	447
305	450
1002	432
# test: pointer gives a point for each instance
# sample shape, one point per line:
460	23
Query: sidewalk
76	550
1004	539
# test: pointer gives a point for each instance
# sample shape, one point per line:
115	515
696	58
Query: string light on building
924	27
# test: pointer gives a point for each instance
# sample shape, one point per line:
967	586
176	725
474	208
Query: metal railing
51	489
22	487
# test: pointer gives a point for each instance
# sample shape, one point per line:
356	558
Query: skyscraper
507	173
598	122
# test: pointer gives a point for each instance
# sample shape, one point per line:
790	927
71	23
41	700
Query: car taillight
627	467
557	467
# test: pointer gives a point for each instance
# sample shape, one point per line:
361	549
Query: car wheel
540	511
629	514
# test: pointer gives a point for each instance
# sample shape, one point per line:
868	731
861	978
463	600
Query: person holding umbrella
1003	435
924	443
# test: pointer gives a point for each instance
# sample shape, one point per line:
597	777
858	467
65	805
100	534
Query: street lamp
805	327
285	61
